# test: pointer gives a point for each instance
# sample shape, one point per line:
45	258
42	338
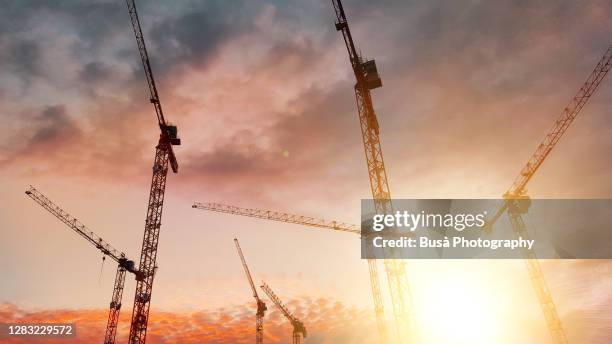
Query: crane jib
75	225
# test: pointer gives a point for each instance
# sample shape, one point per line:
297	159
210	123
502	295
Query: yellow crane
299	330
516	197
367	78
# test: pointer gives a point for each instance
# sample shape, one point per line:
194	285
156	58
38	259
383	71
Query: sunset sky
262	93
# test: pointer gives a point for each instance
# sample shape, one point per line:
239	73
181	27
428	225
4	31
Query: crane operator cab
172	131
372	78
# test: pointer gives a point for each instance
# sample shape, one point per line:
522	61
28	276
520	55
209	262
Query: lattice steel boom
570	112
261	306
123	264
367	78
517	192
299	330
278	216
164	155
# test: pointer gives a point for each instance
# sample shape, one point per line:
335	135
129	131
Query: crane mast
115	306
123	264
299	330
164	155
261	306
367	78
517	192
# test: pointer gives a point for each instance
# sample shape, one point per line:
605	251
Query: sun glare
458	306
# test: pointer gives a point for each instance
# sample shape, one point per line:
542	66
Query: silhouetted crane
299	331
278	216
124	264
163	155
261	306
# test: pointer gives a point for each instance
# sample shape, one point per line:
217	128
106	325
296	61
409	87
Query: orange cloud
326	321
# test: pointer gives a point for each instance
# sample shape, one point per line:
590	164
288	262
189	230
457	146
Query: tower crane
299	330
164	155
261	306
516	196
367	78
124	264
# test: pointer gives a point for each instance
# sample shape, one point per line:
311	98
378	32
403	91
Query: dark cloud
93	19
21	24
48	129
54	142
195	36
24	57
95	71
232	160
52	123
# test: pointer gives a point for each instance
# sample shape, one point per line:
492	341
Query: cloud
325	320
262	92
46	130
97	88
54	141
195	35
53	123
95	71
24	56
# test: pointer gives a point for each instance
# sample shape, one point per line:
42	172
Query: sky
262	95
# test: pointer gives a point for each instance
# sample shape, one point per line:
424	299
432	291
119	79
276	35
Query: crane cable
101	268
